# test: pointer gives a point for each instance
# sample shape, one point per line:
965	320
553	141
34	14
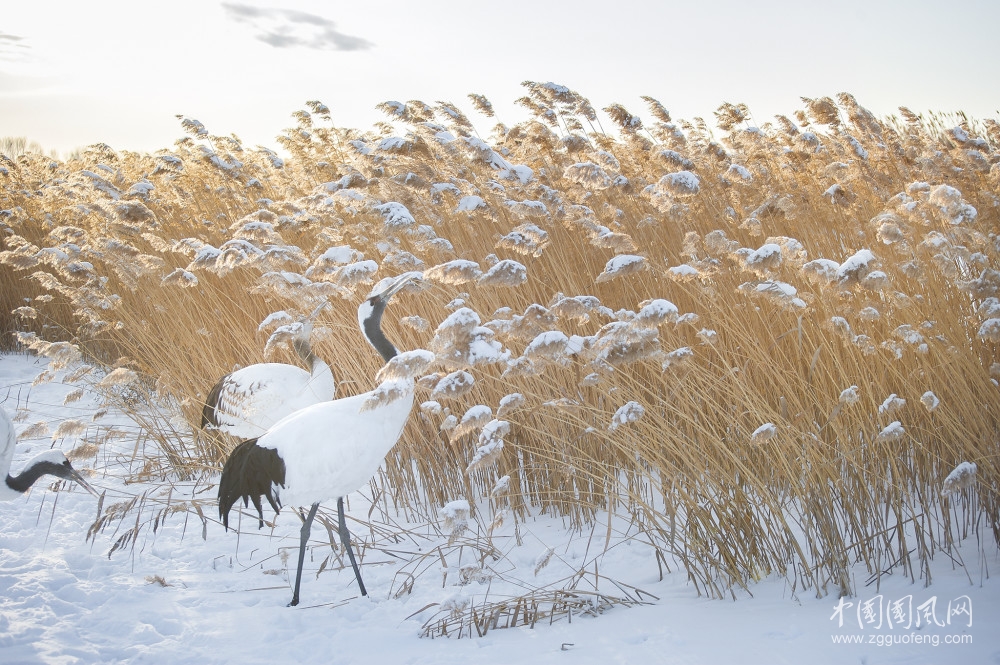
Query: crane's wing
250	473
248	401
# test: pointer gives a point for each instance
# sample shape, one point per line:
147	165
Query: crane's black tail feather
250	473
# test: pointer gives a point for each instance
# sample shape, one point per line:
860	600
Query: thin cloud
288	28
13	48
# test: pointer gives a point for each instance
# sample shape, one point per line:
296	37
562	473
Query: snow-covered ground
192	593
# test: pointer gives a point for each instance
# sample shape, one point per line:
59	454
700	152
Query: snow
990	330
949	201
457	271
362	271
656	311
470	203
453	385
396	215
455	509
461	321
627	413
740	171
180	277
142	188
281	317
780	292
509	402
529	208
493	431
588	174
502	485
406	365
550	344
821	270
439	187
623	264
189	593
856	267
891	403
960	134
505	273
892	431
477	413
962	476
340	255
849	395
681	183
519	172
683	271
764	432
391	143
491	157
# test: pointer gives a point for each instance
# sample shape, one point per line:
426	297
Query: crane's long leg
303	538
345	538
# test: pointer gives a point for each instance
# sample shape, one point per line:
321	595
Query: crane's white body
7	441
334	448
327	450
253	399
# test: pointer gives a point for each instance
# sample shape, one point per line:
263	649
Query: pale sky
118	72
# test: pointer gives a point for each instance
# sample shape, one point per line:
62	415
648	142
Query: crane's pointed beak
315	313
75	476
397	285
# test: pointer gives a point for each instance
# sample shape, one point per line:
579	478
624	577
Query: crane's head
386	289
299	333
54	463
309	321
389	286
370	311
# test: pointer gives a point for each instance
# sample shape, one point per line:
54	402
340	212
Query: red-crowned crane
331	449
247	402
51	462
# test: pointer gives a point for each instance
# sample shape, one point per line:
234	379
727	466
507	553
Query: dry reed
843	255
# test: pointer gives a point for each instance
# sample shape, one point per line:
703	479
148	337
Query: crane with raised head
327	450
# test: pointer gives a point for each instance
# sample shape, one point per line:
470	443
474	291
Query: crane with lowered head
247	402
51	463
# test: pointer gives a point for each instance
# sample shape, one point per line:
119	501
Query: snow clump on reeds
509	403
453	385
849	396
765	432
455	515
459	271
629	412
892	432
406	365
891	404
475	417
621	265
506	272
589	175
490	444
930	400
963	476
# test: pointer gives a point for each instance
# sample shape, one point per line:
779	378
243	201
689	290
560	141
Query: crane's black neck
29	476
372	327
304	350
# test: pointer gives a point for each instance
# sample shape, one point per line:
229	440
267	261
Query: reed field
769	349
